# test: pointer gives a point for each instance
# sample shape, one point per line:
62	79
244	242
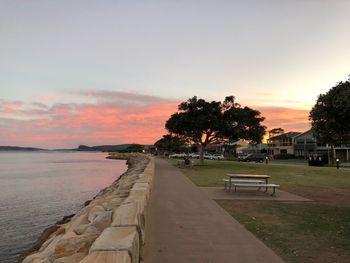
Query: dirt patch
330	196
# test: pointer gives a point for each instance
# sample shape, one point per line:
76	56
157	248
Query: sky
111	72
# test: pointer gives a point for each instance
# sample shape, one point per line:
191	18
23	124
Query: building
282	144
304	144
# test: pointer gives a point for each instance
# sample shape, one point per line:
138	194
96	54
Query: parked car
194	155
218	157
254	157
208	156
177	155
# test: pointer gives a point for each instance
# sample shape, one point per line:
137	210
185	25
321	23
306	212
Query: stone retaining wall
111	228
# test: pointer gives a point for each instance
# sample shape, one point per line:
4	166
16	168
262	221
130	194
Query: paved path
185	225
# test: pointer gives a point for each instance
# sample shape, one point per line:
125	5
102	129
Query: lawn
316	231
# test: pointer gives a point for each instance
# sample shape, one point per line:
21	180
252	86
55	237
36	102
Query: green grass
298	232
213	172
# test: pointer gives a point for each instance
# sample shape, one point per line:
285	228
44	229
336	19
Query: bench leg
274	191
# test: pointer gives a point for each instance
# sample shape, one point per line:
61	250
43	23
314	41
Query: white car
208	156
194	155
218	157
177	155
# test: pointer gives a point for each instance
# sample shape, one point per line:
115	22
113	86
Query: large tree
205	122
330	116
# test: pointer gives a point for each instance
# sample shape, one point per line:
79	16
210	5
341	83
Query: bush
284	156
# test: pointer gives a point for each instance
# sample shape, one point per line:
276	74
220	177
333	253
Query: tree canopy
205	122
275	131
170	143
330	116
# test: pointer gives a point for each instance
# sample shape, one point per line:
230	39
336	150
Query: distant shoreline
81	148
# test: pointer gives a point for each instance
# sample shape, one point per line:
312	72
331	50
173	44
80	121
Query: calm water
39	188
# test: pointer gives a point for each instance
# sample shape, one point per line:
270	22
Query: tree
203	122
170	143
331	114
275	131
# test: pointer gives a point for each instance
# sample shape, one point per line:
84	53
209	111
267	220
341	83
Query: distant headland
98	148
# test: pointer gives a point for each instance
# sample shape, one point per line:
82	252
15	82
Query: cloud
10	107
110	118
122	97
287	118
137	118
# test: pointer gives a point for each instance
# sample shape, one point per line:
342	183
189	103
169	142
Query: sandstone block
75	258
95	211
108	257
126	215
35	258
119	239
71	243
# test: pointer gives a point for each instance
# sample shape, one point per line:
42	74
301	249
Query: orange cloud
286	118
112	118
103	122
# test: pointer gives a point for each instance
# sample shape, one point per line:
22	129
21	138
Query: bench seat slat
256	185
243	181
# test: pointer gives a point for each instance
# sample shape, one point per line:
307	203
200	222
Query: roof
305	132
286	135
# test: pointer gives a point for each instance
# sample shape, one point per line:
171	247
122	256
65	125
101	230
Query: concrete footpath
185	225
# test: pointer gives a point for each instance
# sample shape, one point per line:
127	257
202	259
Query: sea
39	188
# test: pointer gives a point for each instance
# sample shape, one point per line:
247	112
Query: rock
35	258
72	243
130	214
87	228
108	257
93	229
95	212
119	238
126	215
45	235
71	259
65	219
78	221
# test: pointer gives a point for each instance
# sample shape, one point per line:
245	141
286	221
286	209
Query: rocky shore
110	228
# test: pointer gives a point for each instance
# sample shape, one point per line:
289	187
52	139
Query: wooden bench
227	182
273	186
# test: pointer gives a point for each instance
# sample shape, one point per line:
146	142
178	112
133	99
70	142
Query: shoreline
56	243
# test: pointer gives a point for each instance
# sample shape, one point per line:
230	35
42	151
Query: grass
298	232
213	172
316	231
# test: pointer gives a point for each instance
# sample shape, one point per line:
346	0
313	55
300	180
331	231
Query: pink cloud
114	118
103	122
10	107
286	118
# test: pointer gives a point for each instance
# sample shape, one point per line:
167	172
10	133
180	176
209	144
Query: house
282	144
304	144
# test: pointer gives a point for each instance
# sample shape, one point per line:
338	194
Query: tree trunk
201	154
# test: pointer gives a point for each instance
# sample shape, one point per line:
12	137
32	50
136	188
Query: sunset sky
111	72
